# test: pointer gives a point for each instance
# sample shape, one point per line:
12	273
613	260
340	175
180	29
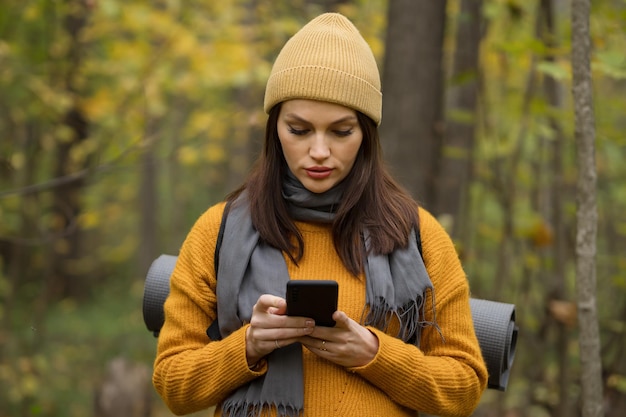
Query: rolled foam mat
156	289
495	328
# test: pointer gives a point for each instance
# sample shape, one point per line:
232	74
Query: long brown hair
372	199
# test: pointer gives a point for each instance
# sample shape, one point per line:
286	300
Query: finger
287	334
287	341
282	326
271	304
263	346
323	345
314	342
343	324
266	329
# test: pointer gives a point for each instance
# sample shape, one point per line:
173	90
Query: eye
344	133
297	132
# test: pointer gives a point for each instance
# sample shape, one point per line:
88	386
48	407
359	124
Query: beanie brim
324	84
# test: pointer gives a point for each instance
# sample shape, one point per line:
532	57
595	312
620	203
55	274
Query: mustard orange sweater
443	377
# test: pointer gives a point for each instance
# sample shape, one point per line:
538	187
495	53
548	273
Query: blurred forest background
121	122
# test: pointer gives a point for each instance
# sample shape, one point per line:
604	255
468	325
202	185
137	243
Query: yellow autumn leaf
89	220
219	127
32	12
83	150
63	134
199	123
99	105
123	251
18	160
231	61
184	44
214	153
188	156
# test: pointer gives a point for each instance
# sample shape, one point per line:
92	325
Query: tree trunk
587	215
556	195
68	273
148	202
458	141
246	142
412	93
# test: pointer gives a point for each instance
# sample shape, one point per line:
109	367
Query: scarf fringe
258	409
411	317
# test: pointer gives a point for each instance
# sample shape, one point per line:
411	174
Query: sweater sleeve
447	374
191	372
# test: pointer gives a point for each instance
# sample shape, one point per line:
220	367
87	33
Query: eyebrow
293	116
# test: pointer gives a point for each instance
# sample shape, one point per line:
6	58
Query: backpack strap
220	236
214	329
418	237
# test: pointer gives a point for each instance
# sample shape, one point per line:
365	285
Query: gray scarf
397	284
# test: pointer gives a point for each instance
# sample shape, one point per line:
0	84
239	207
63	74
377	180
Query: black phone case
316	299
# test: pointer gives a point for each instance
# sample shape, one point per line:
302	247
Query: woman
319	204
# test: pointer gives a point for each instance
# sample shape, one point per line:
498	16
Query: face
320	141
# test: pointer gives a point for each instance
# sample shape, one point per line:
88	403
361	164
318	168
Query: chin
317	188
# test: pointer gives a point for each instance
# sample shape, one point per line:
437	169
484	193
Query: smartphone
316	299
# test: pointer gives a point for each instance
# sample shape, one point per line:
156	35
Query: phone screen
316	299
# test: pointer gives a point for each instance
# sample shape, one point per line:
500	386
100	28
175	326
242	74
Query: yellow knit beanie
327	60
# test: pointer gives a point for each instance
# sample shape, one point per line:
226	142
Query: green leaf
555	70
611	63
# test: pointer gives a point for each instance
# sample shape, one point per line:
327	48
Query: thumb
341	319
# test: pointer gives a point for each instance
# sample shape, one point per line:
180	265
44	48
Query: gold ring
324	346
277	345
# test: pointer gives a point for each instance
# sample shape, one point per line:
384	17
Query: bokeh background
122	121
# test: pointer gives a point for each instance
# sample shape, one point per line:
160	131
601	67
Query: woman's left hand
347	344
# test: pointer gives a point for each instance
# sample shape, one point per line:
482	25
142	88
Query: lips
318	172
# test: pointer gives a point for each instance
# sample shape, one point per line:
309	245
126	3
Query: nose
319	149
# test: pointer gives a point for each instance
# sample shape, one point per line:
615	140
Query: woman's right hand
270	328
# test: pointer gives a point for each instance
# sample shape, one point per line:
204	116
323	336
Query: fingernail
310	323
